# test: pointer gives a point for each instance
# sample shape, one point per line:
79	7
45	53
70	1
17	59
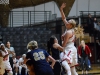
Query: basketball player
15	64
39	59
69	56
2	70
6	62
22	65
54	49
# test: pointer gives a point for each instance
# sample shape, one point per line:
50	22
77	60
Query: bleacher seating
19	37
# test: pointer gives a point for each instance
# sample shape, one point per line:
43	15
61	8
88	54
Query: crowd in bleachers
93	23
12	65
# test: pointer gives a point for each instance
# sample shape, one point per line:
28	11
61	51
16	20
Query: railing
94	14
22	18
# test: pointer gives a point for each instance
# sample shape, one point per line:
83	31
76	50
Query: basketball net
5	2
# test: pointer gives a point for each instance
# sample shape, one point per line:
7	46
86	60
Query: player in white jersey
69	56
15	64
21	65
6	62
2	70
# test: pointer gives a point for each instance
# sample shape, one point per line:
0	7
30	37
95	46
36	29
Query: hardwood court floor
95	70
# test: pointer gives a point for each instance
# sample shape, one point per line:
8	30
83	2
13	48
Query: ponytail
50	42
79	32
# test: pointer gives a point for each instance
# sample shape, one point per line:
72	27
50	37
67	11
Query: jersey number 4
38	56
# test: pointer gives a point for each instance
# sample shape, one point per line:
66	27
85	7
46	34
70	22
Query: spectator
90	23
84	52
90	20
96	24
95	20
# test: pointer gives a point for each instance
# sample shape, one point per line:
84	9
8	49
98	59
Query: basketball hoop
5	2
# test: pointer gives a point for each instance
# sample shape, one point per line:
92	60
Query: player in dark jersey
30	67
54	49
39	58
